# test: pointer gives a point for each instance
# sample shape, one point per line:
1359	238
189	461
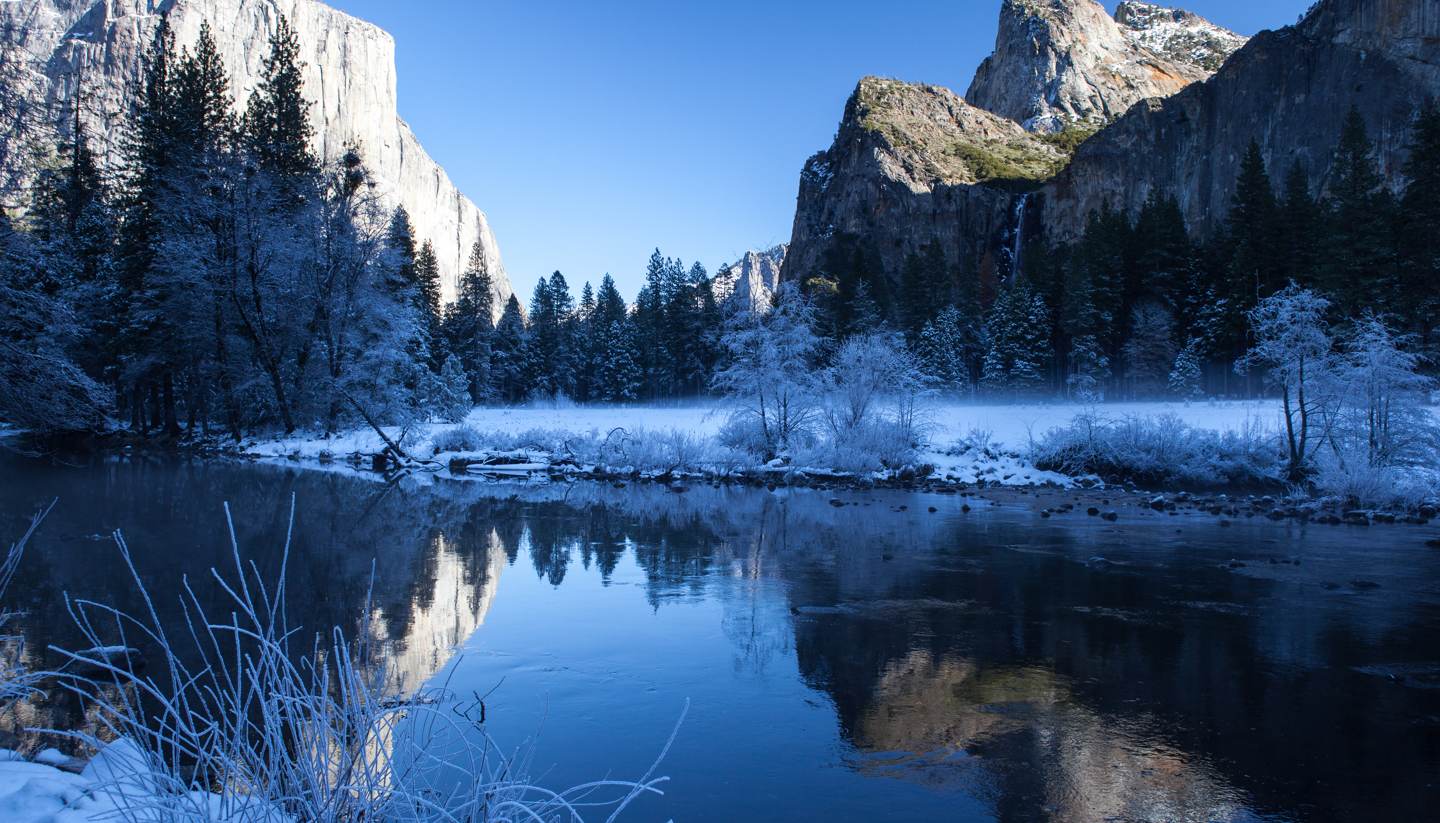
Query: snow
117	784
968	442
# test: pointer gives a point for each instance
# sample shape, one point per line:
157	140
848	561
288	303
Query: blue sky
592	132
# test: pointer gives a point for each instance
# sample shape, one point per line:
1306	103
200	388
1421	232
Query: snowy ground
684	435
115	784
1010	426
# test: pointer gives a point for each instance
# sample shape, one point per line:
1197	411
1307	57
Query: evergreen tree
510	355
653	358
925	288
552	367
1019	341
277	119
452	401
1299	225
1185	374
469	323
1150	351
427	294
1358	251
1252	237
617	375
1419	218
1161	253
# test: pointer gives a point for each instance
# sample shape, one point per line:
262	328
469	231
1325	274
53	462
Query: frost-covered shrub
1161	449
769	376
1364	486
878	444
457	439
655	451
269	723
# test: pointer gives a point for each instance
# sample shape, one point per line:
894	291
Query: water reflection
953	665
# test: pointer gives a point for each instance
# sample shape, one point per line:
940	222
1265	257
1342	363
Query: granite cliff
1062	64
748	283
92	50
913	164
1287	90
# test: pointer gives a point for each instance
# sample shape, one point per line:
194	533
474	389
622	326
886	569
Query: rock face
1288	90
94	48
748	283
1067	63
1177	35
912	164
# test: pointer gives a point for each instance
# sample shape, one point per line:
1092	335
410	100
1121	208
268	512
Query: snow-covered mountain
93	49
1064	63
1178	35
749	282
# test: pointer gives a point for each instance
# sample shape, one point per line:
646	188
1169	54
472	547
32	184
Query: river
846	655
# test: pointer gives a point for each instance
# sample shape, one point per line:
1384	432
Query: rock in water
94	48
1067	63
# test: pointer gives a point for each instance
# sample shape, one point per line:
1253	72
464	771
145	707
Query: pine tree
941	350
427	294
1185	374
1019	341
1419	218
149	146
470	323
1358	251
925	288
650	329
1253	241
452	400
1162	253
617	375
1150	351
510	356
1299	224
277	118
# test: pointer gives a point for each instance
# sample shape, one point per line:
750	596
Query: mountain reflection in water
854	662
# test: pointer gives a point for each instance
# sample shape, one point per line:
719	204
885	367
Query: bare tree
1294	351
770	371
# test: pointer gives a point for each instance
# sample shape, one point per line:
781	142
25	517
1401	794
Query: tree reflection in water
970	655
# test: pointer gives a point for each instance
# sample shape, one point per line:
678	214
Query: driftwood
389	444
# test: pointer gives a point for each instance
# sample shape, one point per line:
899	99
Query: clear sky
593	131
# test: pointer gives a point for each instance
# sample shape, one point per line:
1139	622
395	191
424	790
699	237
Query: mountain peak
1059	64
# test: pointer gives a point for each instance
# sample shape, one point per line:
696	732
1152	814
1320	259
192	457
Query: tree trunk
172	421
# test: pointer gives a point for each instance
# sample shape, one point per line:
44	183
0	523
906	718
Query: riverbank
1223	457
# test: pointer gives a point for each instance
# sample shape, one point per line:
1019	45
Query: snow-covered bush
654	451
1160	450
1384	421
236	705
770	374
880	443
457	439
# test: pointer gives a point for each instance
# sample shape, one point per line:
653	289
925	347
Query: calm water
862	662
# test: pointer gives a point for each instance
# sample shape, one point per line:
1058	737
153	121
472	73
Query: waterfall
1017	240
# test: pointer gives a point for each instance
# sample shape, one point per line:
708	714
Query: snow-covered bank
114	785
966	443
1156	444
